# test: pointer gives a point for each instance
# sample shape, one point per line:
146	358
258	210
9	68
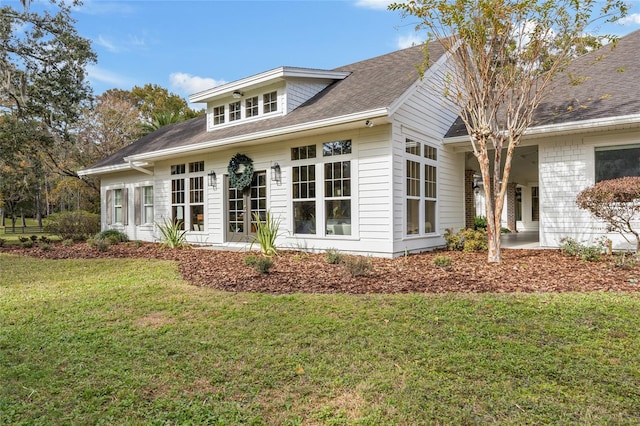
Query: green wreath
240	181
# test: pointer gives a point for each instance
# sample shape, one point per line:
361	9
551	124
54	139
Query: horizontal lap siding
301	90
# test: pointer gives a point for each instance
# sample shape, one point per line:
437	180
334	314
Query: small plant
480	222
570	247
34	238
333	256
27	244
466	239
442	261
45	239
358	266
67	243
23	239
101	244
624	260
2	241
173	234
266	233
261	264
590	253
45	246
112	235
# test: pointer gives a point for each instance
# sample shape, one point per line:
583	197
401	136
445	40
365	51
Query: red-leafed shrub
617	202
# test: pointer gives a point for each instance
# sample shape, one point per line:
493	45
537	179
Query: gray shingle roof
373	83
609	87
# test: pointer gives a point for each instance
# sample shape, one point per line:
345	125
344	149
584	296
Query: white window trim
422	160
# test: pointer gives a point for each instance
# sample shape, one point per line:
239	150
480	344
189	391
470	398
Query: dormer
270	94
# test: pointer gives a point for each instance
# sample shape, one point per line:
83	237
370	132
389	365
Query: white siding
300	90
566	168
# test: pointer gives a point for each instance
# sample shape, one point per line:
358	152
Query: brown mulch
520	271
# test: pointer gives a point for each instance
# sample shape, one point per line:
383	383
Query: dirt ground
520	271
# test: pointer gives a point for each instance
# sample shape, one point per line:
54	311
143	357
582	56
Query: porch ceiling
524	167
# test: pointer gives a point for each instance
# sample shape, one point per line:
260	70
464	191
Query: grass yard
112	341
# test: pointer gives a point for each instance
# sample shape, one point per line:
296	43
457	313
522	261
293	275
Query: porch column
511	206
469	200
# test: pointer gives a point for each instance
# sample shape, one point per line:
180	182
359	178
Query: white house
368	158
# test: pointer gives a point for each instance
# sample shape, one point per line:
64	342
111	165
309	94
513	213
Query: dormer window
218	115
251	106
270	102
235	111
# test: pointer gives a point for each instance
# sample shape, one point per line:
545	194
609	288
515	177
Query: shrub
624	261
261	264
67	243
45	246
466	239
45	239
358	266
112	235
173	236
27	244
77	225
617	202
333	256
480	222
266	233
442	261
2	241
571	247
23	239
34	238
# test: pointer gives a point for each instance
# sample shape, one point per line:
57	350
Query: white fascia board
265	77
313	125
104	170
570	127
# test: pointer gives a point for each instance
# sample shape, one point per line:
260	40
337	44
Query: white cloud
189	84
374	4
404	42
100	75
633	19
106	43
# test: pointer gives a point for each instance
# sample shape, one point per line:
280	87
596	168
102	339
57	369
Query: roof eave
314	125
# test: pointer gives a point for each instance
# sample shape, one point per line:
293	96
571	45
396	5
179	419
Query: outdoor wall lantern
213	181
237	94
276	173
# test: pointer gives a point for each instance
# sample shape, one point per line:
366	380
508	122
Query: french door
243	204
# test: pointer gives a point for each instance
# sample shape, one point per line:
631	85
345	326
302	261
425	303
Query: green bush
570	247
480	222
27	244
333	256
173	236
466	239
442	261
266	234
77	225
44	246
358	266
261	264
2	241
112	235
67	243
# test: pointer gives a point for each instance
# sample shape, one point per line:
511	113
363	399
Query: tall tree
504	54
159	107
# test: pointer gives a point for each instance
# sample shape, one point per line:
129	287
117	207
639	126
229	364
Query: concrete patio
521	240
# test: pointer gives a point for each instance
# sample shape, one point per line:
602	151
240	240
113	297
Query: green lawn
128	342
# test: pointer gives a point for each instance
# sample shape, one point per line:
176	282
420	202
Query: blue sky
188	46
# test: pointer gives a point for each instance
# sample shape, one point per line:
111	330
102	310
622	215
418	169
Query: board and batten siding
567	166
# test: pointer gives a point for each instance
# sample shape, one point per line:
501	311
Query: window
196	202
421	188
303	152
270	102
218	115
198	166
251	106
330	149
535	204
617	161
177	202
304	203
235	112
117	205
337	195
177	169
147	204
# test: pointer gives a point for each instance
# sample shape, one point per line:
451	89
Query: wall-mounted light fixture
368	123
276	173
213	180
237	94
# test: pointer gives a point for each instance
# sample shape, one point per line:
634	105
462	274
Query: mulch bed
520	271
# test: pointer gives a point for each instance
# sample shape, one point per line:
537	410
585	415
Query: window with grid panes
270	102
251	106
117	205
218	115
147	204
421	187
337	197
235	111
303	177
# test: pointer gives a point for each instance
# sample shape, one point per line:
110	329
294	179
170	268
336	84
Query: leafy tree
160	119
158	106
504	54
617	202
